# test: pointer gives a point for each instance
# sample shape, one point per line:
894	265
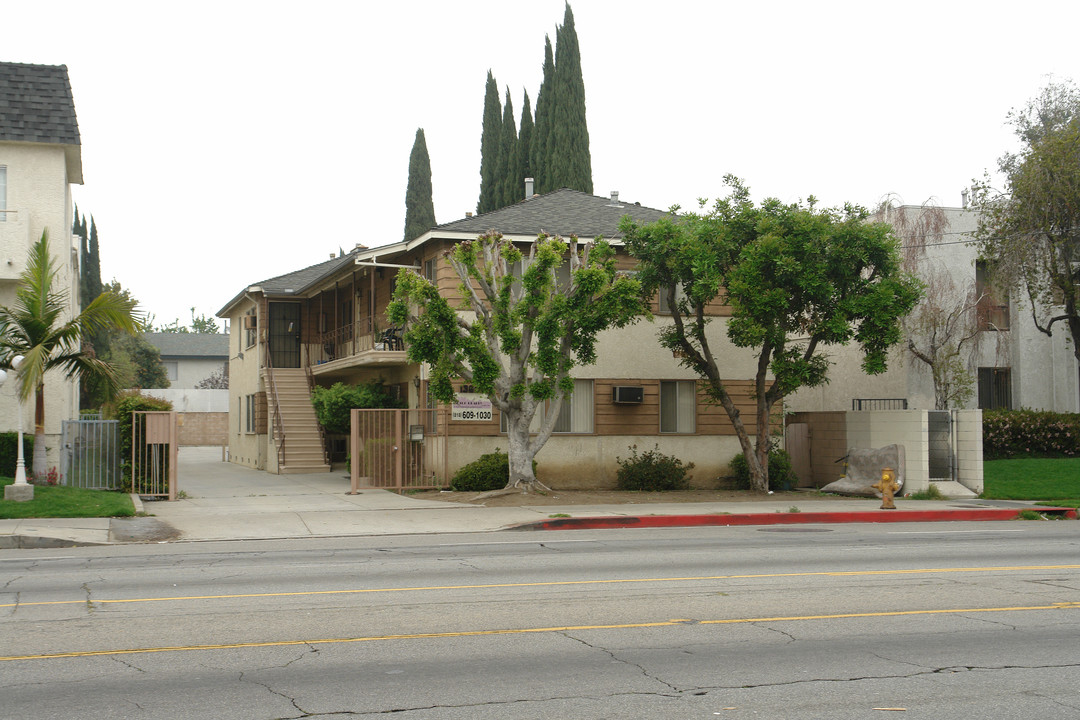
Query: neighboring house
1014	364
189	359
326	323
40	158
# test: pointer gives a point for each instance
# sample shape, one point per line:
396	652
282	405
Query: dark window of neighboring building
995	389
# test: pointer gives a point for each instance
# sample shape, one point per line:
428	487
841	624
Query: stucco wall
249	449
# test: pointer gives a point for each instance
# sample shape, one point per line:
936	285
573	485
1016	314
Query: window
3	193
678	406
665	307
249	415
993	308
575	416
430	270
250	331
995	389
171	369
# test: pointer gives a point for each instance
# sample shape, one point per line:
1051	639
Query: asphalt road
956	620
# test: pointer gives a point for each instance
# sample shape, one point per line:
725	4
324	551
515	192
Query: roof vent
614	199
528	188
468	214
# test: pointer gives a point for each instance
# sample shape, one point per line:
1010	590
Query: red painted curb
779	518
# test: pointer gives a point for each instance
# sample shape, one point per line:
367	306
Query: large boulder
864	466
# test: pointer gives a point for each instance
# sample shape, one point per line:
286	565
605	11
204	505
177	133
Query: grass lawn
1055	481
67	502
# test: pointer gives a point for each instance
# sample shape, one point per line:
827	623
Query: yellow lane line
522	631
557	583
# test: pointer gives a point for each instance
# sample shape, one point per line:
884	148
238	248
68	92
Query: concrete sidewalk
223	501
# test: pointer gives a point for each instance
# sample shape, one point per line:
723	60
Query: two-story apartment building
40	158
326	323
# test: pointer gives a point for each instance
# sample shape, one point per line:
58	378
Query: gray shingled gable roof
36	104
561	212
299	280
189	345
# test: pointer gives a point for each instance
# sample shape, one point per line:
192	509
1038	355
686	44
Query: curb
800	518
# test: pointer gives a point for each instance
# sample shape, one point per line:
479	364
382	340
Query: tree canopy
797	279
534	316
1031	230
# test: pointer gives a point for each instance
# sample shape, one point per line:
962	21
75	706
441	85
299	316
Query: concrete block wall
878	428
969	449
203	428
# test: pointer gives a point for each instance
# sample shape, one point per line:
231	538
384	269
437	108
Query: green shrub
126	404
9	452
652	471
1030	433
332	404
781	475
488	472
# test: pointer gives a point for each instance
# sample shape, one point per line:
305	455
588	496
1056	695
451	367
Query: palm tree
34	328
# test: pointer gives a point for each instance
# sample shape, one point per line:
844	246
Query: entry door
284	335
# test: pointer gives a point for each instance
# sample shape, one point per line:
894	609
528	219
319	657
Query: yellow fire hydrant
887	486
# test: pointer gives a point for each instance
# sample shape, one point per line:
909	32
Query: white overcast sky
226	142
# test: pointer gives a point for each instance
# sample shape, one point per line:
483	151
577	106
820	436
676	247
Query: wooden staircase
303	448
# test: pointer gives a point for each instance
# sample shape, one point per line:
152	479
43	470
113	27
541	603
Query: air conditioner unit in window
250	322
627	394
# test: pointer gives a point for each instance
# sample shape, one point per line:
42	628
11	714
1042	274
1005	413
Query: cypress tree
507	169
538	151
419	206
570	161
524	146
489	148
94	278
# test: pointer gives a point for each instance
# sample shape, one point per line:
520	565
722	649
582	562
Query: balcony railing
354	340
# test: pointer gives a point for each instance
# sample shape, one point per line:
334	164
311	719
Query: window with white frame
172	369
575	415
249	419
678	406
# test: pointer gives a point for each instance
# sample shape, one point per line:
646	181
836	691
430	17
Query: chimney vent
964	198
614	199
468	214
528	188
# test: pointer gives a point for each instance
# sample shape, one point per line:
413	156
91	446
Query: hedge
1030	433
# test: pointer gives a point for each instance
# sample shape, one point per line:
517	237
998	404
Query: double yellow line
522	631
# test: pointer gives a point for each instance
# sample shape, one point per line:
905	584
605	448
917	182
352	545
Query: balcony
363	344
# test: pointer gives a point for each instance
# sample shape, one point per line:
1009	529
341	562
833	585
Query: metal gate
392	449
152	463
939	441
90	454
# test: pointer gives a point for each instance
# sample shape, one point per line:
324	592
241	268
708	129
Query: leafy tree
540	142
569	160
1031	231
531	328
203	324
217	380
796	278
34	328
137	362
419	206
489	148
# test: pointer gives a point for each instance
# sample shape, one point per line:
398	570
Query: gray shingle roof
299	280
36	104
562	212
189	345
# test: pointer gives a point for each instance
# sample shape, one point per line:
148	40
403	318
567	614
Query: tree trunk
759	481
38	468
521	455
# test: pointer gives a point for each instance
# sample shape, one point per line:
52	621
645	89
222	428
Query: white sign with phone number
471	407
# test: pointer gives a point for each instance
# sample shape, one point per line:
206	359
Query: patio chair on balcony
392	339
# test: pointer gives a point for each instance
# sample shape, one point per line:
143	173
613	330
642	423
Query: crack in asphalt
17	577
1010	626
272	691
127	664
618	659
933	671
791	638
89	596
